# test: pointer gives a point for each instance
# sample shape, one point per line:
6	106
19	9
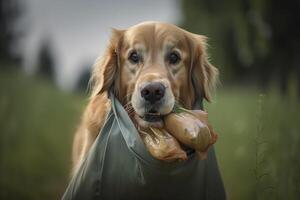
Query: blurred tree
82	84
284	19
250	40
46	65
10	13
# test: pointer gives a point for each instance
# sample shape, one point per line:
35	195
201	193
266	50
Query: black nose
153	92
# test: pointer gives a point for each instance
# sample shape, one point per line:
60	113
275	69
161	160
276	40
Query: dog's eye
173	58
134	57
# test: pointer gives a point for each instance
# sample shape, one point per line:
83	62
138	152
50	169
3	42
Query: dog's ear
203	73
106	67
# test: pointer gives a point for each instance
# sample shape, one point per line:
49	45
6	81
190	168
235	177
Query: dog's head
152	65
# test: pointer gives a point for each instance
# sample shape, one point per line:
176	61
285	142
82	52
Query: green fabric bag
118	166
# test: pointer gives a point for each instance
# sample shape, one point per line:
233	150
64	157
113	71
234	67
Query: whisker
129	109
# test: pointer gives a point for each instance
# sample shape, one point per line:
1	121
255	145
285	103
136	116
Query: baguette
188	129
162	145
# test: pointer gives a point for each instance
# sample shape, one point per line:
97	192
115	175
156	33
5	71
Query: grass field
259	138
36	125
258	144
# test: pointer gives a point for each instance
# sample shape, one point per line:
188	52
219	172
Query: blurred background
47	49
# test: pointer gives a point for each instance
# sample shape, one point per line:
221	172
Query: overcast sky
79	29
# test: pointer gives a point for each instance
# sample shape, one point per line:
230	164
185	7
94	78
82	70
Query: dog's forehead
149	34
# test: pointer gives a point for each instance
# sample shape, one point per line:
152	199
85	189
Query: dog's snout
153	92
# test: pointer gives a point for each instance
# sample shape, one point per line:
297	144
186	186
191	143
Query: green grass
257	134
257	148
37	122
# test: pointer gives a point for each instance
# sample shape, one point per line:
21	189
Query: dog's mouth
151	118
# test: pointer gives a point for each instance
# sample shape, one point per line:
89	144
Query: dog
150	66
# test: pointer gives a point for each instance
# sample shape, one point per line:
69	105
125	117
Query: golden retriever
151	66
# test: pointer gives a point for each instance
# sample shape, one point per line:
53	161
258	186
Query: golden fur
114	72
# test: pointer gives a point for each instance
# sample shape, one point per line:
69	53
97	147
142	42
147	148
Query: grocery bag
118	166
